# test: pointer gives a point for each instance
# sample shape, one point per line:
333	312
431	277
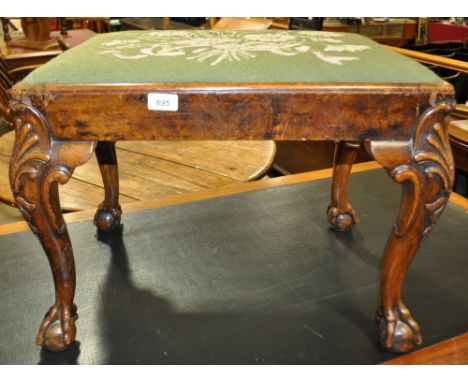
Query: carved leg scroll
38	165
424	167
340	214
108	214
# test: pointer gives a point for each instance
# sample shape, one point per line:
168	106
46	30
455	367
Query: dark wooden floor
249	278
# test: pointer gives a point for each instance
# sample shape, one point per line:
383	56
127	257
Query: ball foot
400	334
341	220
58	329
107	220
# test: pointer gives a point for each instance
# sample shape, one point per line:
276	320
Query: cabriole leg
38	164
108	214
424	167
340	213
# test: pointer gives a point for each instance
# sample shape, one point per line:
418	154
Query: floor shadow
130	318
138	327
348	305
420	287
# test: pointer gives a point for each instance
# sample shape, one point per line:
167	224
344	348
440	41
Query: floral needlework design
215	47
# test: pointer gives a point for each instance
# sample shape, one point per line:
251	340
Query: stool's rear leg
108	214
340	214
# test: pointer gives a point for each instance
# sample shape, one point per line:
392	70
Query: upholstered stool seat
169	57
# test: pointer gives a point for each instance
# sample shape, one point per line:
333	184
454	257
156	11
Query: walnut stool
232	85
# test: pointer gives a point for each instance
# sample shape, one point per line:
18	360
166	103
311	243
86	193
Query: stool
226	85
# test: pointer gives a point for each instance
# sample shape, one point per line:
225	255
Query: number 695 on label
160	101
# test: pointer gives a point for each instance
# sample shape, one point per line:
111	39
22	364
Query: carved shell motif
432	158
31	158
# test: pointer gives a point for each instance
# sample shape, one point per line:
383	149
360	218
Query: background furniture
459	80
239	23
96	24
151	170
152	23
17	57
441	32
393	31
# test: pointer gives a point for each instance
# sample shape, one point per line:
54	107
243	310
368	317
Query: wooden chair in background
6	23
96	24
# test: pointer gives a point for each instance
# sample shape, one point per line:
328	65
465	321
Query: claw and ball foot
398	331
58	330
342	220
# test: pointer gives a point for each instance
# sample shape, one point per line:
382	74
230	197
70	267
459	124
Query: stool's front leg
108	214
424	167
38	164
340	213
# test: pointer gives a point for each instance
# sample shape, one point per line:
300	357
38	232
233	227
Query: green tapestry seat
230	56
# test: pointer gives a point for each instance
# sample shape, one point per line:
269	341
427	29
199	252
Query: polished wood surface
459	130
241	23
289	111
151	170
458	133
433	59
453	351
293	157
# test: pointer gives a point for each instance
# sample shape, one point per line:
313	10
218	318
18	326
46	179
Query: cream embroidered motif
216	47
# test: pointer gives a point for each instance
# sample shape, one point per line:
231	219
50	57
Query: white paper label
161	101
